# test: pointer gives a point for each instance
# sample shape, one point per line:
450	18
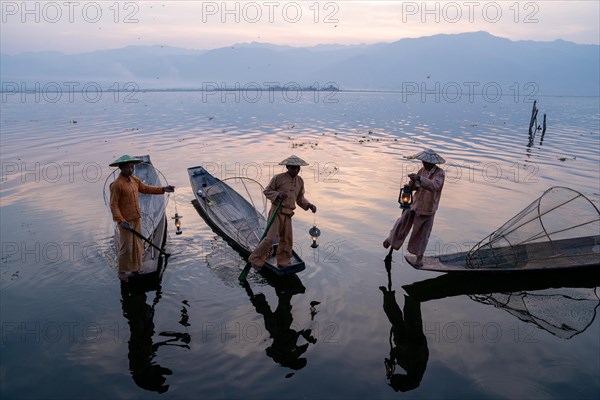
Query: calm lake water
64	329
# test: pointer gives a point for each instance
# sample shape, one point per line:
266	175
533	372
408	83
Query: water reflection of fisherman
142	350
285	349
408	344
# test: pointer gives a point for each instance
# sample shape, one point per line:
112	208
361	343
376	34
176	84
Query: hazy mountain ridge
470	61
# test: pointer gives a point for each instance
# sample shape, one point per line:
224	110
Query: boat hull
570	254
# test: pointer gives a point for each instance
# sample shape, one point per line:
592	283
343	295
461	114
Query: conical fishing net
560	228
152	207
238	206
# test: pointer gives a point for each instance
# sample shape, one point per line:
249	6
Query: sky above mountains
85	26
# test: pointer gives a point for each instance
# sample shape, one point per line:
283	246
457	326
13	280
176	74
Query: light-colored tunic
293	187
282	224
124	206
421	214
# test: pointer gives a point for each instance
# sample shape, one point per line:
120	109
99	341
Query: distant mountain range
468	61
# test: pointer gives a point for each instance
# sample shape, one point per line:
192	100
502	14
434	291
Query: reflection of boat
234	217
154	224
449	285
559	230
563	304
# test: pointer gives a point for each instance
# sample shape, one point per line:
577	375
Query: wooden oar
246	270
136	233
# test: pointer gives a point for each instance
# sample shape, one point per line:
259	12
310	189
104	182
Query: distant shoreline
233	90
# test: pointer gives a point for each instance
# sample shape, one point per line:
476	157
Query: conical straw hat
123	160
294	161
429	156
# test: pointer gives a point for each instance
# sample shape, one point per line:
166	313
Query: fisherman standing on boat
287	188
125	209
428	183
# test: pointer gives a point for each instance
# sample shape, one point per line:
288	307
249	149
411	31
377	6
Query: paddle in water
246	270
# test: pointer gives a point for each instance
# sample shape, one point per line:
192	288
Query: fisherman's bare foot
386	244
139	271
255	267
123	276
419	261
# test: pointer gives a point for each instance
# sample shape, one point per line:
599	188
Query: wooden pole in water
544	125
543	131
533	115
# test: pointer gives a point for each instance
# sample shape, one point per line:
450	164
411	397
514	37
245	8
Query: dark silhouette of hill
469	61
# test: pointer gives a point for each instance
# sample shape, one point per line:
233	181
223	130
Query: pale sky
82	26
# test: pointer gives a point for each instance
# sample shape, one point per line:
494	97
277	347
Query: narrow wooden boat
233	217
560	230
571	254
154	225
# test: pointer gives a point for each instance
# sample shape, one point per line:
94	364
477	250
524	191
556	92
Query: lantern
177	219
406	197
314	233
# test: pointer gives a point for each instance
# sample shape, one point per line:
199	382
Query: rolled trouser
421	226
282	229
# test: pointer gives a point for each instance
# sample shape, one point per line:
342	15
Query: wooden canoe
567	254
234	218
